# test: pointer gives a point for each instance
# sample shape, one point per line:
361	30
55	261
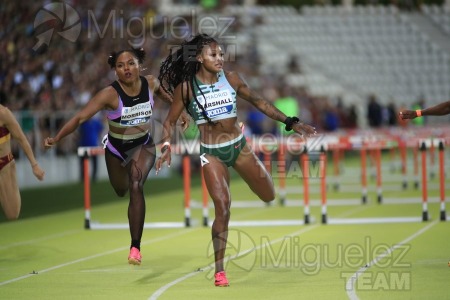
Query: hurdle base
87	224
364	199
443	215
324	219
306	219
205	221
405	185
425	216
380	199
336	187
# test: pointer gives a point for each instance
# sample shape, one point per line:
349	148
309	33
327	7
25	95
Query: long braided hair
181	66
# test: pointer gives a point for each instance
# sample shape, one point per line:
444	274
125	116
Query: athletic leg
9	191
217	179
138	169
255	174
117	173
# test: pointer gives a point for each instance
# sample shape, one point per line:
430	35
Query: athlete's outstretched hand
407	114
165	156
49	142
304	129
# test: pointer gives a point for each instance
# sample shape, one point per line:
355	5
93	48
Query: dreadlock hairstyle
181	66
138	53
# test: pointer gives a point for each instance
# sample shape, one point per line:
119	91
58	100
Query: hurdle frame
422	146
86	152
186	151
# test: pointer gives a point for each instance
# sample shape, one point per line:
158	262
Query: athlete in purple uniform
130	149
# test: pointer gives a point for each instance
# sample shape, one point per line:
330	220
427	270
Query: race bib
136	115
216	103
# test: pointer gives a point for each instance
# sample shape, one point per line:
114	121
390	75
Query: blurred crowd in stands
43	84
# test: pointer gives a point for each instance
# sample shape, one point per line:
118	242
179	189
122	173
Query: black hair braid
139	53
181	66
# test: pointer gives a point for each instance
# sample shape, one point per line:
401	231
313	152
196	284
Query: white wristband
165	146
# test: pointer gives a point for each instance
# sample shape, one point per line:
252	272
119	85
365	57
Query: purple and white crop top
132	111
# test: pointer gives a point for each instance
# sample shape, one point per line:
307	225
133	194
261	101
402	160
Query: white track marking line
352	211
164	288
95	256
46	238
350	284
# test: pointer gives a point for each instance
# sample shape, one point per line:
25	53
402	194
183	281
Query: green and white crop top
219	100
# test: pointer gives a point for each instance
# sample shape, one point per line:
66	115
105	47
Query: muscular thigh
117	172
217	179
251	169
141	163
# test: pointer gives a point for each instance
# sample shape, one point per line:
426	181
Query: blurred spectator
27	122
352	117
392	117
331	117
374	112
62	76
255	120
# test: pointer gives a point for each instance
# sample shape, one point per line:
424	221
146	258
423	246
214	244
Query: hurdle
423	149
375	146
87	152
281	147
433	144
365	147
442	214
404	165
422	146
186	150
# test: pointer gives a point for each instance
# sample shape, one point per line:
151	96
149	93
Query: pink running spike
135	256
221	279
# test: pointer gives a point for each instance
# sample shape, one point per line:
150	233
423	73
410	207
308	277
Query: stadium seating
362	50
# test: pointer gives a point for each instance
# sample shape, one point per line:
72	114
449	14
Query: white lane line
38	240
351	282
353	211
178	233
164	288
